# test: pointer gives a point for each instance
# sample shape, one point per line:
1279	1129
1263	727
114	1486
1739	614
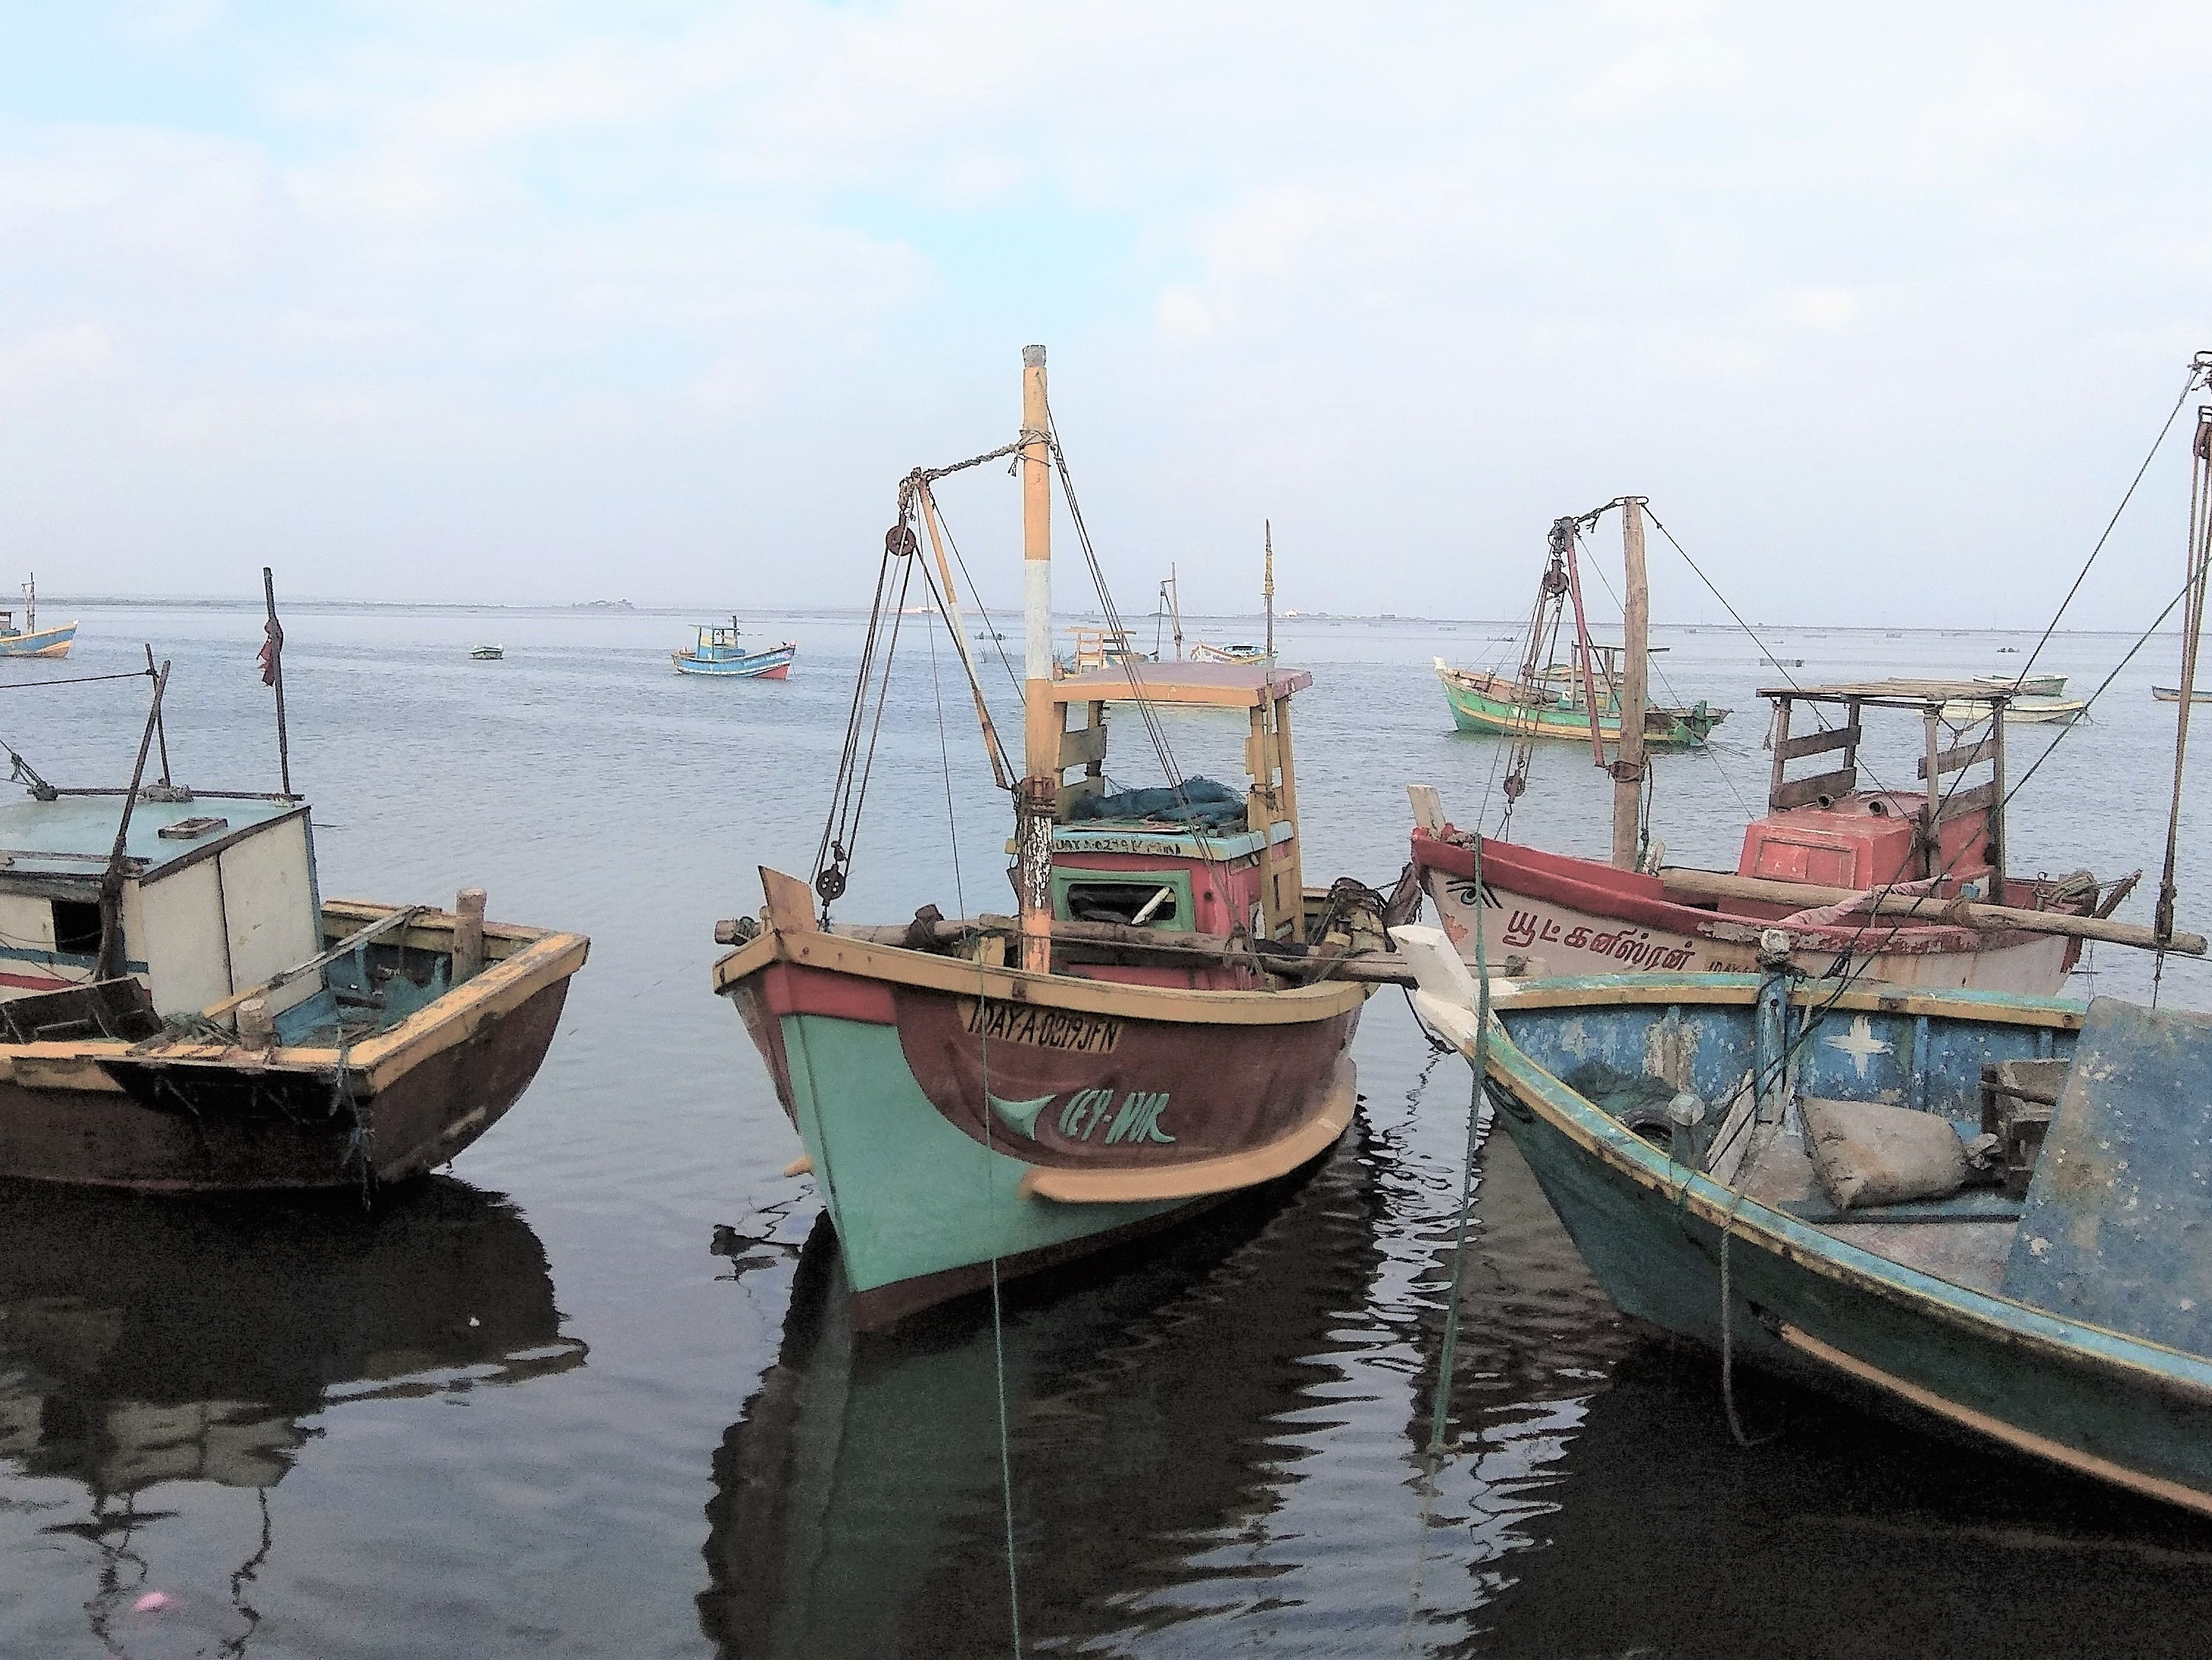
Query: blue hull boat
720	651
1665	1118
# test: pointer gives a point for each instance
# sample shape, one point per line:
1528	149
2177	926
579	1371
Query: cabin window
1125	902
76	926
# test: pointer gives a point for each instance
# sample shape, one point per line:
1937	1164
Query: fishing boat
2026	685
1155	1031
720	651
2018	711
1239	651
30	640
181	1009
1909	886
1666	1118
488	653
1530	705
2172	694
1984	1211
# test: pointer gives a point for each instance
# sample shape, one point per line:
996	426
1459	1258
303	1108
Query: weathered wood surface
1681	882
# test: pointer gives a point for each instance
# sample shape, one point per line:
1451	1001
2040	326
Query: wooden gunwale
1986	1315
926	971
535	959
1223	1175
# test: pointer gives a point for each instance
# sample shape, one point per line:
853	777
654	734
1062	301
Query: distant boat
1238	651
30	640
2035	685
1781	662
2020	711
720	651
2172	694
488	653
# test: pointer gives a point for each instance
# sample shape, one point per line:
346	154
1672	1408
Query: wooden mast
1175	607
1636	625
1268	586
1034	806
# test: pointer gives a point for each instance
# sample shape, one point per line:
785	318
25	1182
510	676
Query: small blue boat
2063	1311
30	640
720	651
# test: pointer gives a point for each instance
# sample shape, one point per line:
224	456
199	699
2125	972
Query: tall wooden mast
1034	807
1268	586
1636	627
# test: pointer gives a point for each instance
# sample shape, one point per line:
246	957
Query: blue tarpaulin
1198	801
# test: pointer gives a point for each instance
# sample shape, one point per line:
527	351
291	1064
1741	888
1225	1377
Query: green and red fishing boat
1157	1029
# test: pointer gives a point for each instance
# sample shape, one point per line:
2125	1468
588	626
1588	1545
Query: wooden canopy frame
1936	763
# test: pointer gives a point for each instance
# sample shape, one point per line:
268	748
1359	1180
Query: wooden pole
160	726
1629	764
1175	607
1268	587
114	961
468	935
2192	624
1040	790
276	677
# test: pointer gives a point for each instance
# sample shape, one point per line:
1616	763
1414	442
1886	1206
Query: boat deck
1948	1239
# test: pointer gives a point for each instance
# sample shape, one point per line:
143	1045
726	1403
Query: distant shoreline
1236	620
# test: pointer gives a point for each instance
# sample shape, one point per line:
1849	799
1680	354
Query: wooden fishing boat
2020	711
2172	694
1911	887
1506	707
488	653
1239	651
2032	686
184	1012
1665	1117
1151	1034
1528	706
30	640
721	650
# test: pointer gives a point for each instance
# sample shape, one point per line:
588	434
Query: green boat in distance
1499	704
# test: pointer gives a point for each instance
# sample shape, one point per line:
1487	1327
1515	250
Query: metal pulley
899	541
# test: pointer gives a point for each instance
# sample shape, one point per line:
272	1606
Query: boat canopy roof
74	834
1223	685
1895	694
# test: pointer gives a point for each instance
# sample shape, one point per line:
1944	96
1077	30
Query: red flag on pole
272	650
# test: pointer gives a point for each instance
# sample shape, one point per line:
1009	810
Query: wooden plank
1799	791
1071	794
1960	757
1082	746
1818	743
790	902
1960	802
1428	808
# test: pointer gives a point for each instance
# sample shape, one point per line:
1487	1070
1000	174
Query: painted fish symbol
1020	1116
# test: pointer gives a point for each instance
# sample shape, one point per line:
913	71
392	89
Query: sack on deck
1866	1153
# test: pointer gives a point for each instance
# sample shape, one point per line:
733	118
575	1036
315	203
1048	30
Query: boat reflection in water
1157	1399
152	1341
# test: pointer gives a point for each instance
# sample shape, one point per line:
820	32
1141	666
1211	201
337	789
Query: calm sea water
530	1409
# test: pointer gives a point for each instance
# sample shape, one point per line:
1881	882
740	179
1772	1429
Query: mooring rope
990	1166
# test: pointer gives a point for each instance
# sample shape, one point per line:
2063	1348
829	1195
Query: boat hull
754	665
1570	916
1473	711
963	1121
39	642
178	1116
1802	1300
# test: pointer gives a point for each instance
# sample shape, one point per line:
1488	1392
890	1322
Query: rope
2200	368
1447	1350
983	1051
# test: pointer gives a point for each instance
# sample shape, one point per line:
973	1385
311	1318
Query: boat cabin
1822	827
1207	859
718	640
219	894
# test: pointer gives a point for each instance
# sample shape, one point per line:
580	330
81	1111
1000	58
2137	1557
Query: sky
489	301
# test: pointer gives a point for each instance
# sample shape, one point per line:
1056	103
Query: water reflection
1160	1405
145	1340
